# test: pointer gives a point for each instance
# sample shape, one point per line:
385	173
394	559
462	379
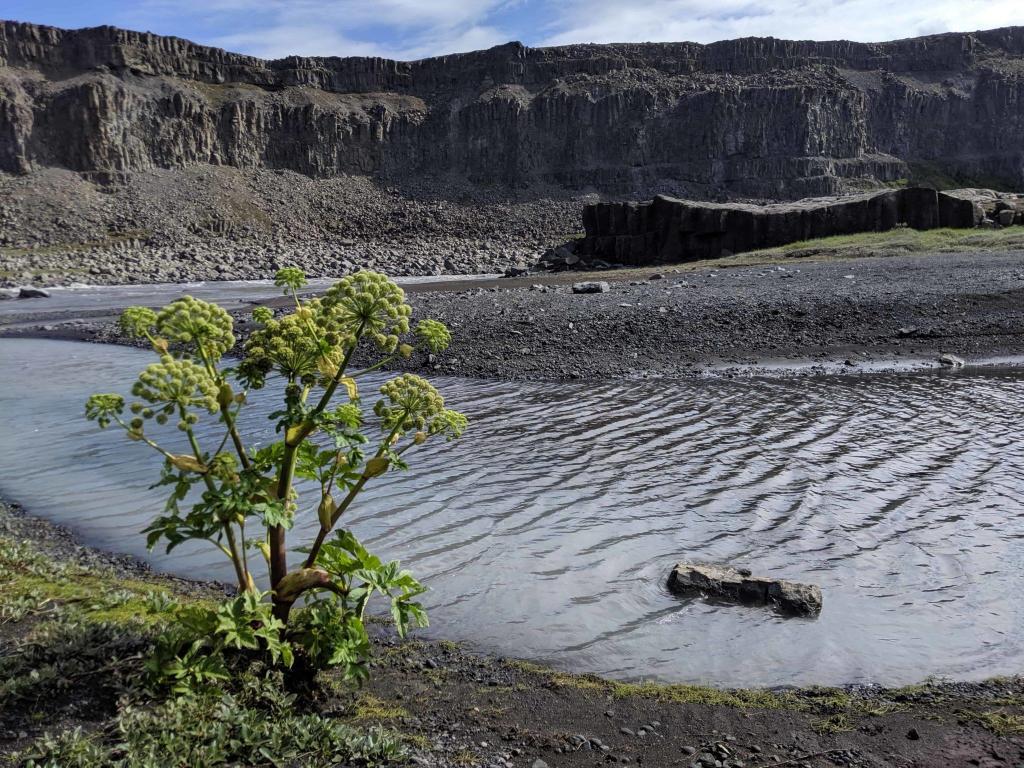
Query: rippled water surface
548	531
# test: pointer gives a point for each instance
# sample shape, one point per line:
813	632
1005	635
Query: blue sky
411	29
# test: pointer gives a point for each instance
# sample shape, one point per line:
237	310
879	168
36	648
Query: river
548	531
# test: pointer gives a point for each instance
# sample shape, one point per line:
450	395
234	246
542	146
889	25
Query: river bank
785	315
453	707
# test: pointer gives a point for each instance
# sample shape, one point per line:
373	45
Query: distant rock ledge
665	230
739	585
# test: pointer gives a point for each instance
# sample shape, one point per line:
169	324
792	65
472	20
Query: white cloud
401	29
705	21
412	29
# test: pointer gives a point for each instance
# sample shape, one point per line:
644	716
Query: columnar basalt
669	230
753	117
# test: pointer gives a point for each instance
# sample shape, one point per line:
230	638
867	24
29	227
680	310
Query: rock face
667	230
739	585
757	117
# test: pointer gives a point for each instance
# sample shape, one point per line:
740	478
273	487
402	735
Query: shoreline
461	705
873	314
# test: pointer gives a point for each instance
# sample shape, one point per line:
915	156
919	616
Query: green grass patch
1002	723
369	708
896	241
675	693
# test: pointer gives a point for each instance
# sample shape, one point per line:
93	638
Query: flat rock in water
598	286
28	292
951	360
739	585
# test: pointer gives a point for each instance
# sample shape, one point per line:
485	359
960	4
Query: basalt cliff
754	118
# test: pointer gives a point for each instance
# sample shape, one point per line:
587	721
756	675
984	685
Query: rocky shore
206	223
456	708
788	315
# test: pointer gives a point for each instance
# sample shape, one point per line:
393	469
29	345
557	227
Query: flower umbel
137	321
291	278
371	302
193	321
434	334
101	408
411	402
175	384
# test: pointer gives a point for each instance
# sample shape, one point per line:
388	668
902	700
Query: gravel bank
798	316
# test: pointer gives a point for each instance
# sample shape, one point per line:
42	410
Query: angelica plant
248	500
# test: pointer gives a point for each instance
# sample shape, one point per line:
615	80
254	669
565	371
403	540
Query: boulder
951	360
739	585
1006	216
28	292
597	286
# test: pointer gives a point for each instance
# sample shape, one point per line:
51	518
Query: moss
833	724
464	757
368	708
935	176
1002	723
36	583
900	240
753	698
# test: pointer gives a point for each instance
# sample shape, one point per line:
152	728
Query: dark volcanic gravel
851	315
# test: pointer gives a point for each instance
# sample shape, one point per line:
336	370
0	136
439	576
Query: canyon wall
759	118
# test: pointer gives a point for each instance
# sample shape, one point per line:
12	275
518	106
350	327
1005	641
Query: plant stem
278	547
322	534
349	497
243	582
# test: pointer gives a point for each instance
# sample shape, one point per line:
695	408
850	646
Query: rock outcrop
755	117
669	230
739	585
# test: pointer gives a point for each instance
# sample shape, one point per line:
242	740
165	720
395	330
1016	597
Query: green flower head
411	403
262	315
293	345
434	334
372	302
175	384
192	321
449	423
102	408
137	321
291	278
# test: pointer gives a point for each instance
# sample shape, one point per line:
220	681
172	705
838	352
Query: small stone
627	732
596	286
538	763
913	734
686	749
